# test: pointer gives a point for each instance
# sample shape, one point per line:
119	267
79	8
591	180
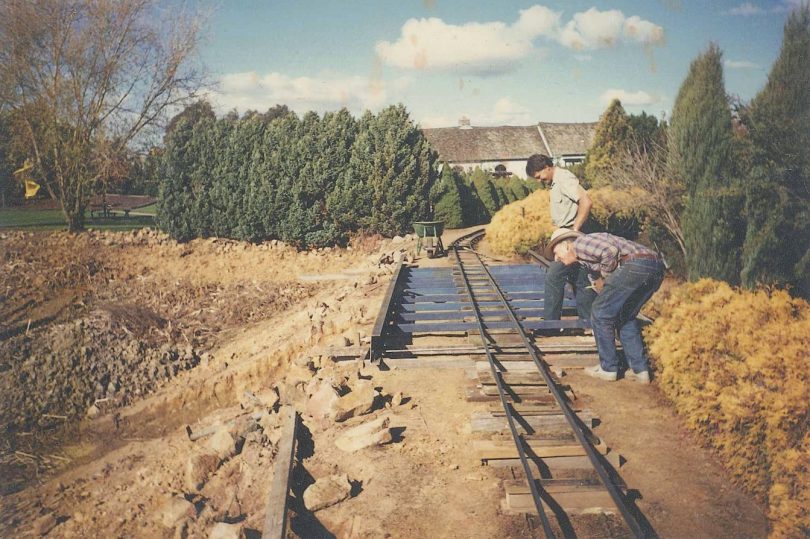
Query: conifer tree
401	168
610	140
777	248
184	201
448	199
701	154
482	182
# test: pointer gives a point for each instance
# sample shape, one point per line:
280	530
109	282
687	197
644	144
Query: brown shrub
735	364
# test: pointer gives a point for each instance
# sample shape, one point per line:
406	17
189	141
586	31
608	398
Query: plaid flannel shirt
600	252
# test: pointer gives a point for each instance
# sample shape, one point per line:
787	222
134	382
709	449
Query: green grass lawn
151	209
22	219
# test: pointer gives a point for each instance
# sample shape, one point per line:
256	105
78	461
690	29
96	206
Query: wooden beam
544	423
505	449
275	516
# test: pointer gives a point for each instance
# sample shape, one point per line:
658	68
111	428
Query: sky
496	62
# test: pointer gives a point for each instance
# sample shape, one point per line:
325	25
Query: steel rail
507	407
604	477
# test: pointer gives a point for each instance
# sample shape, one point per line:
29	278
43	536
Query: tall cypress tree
487	193
609	142
777	242
702	154
448	199
400	171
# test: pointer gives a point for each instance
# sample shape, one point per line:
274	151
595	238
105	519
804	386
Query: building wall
517	167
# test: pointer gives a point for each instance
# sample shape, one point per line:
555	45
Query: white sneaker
642	377
597	372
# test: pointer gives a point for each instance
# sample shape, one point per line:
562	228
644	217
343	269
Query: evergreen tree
777	248
448	199
183	197
702	155
610	140
517	189
400	170
482	182
646	131
475	212
349	204
503	198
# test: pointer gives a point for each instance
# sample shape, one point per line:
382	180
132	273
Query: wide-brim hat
561	234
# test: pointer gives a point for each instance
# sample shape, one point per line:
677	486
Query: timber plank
275	520
505	449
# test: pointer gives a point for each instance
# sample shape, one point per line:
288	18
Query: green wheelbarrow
429	236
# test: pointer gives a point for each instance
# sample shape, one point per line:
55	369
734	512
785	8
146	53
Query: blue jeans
556	277
616	308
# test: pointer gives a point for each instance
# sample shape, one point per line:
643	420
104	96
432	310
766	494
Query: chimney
464	123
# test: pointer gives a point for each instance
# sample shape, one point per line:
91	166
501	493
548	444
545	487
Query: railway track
531	427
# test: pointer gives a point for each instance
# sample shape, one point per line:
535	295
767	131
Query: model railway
531	425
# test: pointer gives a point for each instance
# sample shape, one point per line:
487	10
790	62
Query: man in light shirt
570	207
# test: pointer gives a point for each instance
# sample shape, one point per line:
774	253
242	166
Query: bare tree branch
645	168
85	78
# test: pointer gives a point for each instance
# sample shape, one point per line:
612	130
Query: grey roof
471	144
485	143
568	139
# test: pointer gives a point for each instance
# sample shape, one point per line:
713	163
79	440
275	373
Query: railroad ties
490	317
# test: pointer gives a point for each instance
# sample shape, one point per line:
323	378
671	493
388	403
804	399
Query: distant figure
570	207
625	274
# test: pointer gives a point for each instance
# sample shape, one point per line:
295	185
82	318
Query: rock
359	401
199	468
368	434
44	524
93	412
174	511
222	443
266	398
221	530
322	403
327	491
397	399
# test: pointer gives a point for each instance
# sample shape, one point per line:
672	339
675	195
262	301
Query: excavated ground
116	345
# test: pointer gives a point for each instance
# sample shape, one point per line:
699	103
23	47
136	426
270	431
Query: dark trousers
556	276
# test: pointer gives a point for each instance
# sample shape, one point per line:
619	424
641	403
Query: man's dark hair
537	162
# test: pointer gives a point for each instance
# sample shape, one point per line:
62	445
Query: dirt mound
68	368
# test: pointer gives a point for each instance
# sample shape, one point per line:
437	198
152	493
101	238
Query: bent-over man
625	274
570	207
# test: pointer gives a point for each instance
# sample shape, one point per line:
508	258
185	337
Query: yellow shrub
521	225
736	364
526	223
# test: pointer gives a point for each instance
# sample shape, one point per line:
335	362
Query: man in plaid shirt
625	274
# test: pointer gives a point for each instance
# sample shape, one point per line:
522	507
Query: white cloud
474	47
493	47
746	10
740	64
250	90
594	29
637	98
